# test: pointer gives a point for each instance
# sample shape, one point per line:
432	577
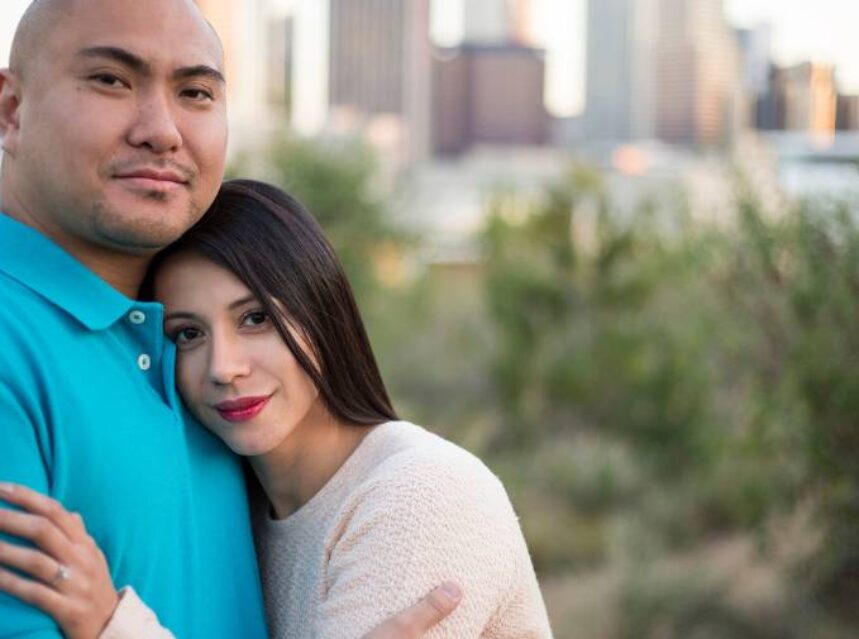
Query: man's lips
153	178
242	409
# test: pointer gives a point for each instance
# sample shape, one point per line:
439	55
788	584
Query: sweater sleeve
417	524
133	619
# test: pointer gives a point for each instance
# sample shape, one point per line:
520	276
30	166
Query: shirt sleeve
423	523
133	619
23	456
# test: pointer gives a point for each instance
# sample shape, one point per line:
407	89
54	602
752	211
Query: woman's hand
414	622
66	573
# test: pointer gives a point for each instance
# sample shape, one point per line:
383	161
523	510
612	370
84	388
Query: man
113	125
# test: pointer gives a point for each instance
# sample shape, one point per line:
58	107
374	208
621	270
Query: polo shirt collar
38	263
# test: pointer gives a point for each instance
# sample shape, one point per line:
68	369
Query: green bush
642	385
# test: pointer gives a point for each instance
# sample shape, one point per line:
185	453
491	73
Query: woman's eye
186	335
255	318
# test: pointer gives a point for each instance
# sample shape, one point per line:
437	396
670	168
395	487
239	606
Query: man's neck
123	271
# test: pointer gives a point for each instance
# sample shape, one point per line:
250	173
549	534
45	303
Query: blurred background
611	247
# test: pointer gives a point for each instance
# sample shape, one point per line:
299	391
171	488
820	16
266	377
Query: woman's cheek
190	376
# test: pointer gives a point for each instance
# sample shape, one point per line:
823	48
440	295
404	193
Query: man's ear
10	101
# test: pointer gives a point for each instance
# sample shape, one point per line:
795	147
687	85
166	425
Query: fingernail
7	488
452	590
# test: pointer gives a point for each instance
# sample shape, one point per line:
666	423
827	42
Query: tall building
664	69
488	94
621	37
250	31
847	118
809	97
803	98
755	48
697	74
769	114
756	52
364	65
495	22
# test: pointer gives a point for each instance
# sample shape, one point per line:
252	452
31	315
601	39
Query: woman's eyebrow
242	302
180	315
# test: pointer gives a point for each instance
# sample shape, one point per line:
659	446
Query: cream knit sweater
406	511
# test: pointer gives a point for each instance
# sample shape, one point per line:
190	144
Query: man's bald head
39	19
113	123
34	27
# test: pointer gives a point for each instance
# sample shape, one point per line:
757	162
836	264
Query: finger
36	503
33	593
437	605
420	618
38	530
34	563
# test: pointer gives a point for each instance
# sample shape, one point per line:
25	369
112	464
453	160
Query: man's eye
197	95
109	80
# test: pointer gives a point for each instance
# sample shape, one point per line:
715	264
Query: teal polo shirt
89	415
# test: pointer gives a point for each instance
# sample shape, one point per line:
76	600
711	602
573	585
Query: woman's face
233	369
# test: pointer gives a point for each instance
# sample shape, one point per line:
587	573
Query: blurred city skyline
801	31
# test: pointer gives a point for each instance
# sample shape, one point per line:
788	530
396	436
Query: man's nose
155	126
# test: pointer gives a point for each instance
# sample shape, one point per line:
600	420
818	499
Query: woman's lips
240	410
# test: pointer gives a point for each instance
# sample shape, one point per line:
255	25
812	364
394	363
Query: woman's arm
420	523
66	573
69	579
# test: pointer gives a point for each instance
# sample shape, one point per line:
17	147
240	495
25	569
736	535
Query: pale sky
820	30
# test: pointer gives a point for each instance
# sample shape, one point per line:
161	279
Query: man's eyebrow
200	70
142	67
122	56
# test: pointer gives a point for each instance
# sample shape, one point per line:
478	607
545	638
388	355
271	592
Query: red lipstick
242	409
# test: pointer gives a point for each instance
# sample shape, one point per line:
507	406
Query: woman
357	514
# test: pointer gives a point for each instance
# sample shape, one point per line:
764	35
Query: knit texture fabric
133	620
407	511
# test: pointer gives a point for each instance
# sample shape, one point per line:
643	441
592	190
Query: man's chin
146	231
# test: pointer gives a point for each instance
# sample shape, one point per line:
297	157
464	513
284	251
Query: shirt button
144	362
137	317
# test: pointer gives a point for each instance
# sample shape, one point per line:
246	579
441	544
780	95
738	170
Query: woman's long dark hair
272	244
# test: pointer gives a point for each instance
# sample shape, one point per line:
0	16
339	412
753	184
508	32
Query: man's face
119	133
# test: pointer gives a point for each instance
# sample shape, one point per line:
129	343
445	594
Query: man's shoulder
29	324
16	297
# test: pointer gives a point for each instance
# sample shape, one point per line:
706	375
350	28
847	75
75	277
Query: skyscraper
369	69
489	94
756	60
847	118
698	70
620	74
495	22
665	69
245	28
756	50
810	98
